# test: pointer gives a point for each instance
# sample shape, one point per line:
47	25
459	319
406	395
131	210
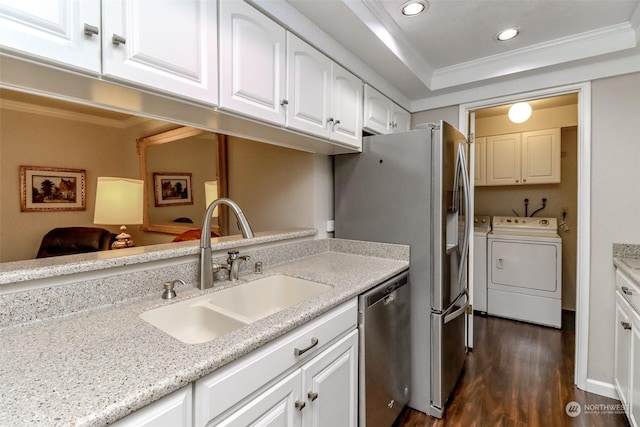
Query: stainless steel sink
204	318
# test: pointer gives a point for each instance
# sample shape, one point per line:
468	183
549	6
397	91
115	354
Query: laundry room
528	172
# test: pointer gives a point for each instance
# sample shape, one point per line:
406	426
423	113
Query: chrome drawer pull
299	405
300	352
312	396
627	291
626	325
91	30
118	40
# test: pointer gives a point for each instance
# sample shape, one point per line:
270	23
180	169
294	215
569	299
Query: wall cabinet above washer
381	115
519	158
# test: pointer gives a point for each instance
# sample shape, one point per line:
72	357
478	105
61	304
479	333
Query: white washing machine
482	227
525	270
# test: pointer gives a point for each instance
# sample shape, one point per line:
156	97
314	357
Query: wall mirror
184	170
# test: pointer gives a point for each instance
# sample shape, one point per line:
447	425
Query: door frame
584	203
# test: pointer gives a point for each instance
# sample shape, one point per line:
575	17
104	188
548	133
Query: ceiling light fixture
414	8
520	112
507	34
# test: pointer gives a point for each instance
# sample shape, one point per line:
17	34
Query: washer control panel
528	224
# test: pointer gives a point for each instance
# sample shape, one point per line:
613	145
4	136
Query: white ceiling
452	46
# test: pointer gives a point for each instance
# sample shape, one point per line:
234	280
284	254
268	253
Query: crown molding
589	44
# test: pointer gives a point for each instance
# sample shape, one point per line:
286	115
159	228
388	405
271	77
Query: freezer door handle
448	317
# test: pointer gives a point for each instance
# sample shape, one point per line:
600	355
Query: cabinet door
175	410
308	88
400	119
274	407
346	107
252	62
53	31
170	45
330	385
634	360
480	170
541	156
622	338
377	111
503	159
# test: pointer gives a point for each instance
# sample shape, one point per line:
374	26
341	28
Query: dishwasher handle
386	291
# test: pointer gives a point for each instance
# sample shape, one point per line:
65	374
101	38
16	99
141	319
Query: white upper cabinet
541	152
323	98
381	115
63	32
346	107
503	159
400	119
169	45
308	88
252	62
523	158
480	170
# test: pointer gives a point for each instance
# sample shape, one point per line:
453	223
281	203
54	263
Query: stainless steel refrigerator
413	188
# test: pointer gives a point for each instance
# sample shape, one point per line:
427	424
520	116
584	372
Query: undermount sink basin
204	318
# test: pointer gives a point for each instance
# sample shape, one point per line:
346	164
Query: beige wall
615	205
273	185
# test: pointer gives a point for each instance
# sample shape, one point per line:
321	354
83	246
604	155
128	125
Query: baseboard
602	388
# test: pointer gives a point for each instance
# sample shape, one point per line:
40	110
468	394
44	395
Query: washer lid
525	224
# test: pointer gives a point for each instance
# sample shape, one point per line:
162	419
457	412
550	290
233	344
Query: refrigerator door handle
462	164
448	317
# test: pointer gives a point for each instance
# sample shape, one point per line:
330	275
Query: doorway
582	190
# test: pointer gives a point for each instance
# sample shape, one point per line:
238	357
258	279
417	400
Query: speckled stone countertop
627	258
97	366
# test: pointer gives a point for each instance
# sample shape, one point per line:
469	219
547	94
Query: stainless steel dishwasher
385	369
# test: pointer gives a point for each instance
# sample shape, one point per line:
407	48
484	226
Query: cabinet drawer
628	289
220	390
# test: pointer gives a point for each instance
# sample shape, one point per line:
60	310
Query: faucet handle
233	255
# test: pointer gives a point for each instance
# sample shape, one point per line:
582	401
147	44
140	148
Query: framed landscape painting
172	189
52	189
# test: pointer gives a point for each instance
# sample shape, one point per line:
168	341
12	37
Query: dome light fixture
507	34
520	112
414	7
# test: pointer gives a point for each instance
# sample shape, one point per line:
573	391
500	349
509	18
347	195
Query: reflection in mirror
187	159
274	186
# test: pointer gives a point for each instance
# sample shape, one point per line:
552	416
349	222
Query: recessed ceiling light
414	8
507	34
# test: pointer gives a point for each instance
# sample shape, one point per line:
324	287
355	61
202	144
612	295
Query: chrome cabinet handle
284	102
301	351
118	40
337	122
626	291
330	120
300	405
90	30
312	396
625	325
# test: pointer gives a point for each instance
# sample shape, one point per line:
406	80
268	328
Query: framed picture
52	189
172	189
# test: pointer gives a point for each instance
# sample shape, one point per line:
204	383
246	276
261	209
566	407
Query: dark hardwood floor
520	374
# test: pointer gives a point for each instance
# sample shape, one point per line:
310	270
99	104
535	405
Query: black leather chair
75	240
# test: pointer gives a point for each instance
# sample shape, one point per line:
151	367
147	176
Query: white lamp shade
119	201
211	194
520	112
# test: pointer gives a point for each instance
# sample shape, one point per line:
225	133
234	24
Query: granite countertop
92	368
627	258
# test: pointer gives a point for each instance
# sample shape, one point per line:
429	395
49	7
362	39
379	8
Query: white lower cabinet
175	410
306	377
627	348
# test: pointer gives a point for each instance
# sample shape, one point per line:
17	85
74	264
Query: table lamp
211	194
119	201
